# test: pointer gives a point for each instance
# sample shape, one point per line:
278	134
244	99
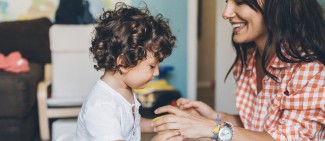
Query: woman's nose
229	11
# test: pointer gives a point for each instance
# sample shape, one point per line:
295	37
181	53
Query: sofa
18	105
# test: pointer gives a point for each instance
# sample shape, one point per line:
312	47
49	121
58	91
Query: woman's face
248	24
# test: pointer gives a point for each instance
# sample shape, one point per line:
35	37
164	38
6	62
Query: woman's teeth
237	25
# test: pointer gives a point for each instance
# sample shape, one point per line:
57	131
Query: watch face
225	133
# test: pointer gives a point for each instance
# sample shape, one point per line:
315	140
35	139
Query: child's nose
156	72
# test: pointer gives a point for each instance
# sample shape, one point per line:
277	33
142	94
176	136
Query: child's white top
106	116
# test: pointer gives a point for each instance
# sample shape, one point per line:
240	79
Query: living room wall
176	13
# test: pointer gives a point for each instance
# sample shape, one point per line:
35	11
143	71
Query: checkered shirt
291	109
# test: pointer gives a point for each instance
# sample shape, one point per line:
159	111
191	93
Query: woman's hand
196	107
172	135
202	109
189	125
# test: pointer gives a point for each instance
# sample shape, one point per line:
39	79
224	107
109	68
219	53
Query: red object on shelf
14	62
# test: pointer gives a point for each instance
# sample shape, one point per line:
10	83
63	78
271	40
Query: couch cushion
30	37
18	92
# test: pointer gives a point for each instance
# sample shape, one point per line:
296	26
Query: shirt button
283	121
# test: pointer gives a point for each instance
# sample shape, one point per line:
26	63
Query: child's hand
171	135
196	107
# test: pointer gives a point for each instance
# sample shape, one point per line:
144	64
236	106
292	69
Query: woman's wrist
221	115
214	115
208	132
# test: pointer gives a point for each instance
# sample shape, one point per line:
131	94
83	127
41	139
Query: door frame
192	43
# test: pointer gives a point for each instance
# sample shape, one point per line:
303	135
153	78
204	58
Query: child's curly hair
129	33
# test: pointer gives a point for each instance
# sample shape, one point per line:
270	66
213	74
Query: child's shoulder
100	95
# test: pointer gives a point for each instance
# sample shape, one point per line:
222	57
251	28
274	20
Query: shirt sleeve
102	121
303	108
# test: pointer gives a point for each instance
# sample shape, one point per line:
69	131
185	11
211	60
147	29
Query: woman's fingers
167	126
163	120
169	109
182	101
177	138
172	135
169	122
190	104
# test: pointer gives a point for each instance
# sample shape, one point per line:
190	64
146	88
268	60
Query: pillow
29	37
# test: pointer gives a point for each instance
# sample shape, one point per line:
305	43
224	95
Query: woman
280	74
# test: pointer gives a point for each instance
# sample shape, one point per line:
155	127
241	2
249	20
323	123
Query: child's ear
120	63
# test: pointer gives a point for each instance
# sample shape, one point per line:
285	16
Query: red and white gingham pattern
293	109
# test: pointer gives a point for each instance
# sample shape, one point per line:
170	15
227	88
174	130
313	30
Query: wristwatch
225	132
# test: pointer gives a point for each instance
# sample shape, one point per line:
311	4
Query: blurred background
199	62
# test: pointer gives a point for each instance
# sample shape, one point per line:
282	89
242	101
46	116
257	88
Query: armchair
18	109
71	75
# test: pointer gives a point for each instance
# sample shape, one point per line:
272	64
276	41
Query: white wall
177	12
225	55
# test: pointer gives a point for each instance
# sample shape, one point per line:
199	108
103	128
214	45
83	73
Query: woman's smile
237	27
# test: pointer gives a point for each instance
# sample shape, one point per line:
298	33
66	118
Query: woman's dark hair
295	26
129	33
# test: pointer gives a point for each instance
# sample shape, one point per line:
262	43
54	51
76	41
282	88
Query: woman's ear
120	64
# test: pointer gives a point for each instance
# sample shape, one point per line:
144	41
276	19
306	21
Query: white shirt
106	116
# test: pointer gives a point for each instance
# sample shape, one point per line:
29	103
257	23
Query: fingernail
155	111
154	129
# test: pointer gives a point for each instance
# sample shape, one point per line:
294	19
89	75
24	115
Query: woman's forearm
233	119
241	134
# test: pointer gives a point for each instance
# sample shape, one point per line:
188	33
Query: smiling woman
279	70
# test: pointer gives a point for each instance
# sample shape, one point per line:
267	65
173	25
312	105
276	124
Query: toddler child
128	44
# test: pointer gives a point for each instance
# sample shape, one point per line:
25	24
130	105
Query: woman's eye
240	2
151	66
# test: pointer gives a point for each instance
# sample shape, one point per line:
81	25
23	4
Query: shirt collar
274	63
277	63
251	61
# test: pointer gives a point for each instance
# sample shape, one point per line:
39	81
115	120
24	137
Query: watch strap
216	130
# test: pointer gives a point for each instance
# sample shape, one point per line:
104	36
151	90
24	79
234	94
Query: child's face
140	75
